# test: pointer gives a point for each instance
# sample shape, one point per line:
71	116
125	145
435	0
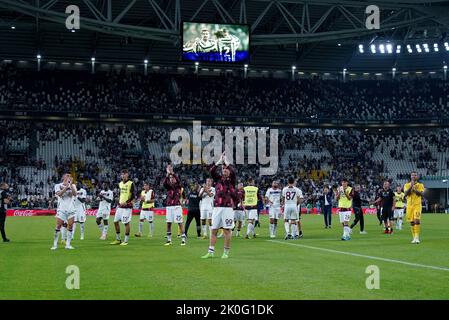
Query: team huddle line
221	204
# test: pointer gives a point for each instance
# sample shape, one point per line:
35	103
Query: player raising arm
173	204
65	193
224	202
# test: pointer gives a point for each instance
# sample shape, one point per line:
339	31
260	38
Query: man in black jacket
357	206
326	204
193	212
4	201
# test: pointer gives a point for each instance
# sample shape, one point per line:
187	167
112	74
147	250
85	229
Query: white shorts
345	216
124	215
65	215
252	214
239	215
222	217
291	212
147	215
174	214
206	213
274	213
398	213
103	214
80	216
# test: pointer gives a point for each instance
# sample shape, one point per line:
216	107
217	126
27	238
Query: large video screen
214	42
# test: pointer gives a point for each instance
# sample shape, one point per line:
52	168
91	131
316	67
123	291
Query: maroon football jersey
173	191
225	192
240	199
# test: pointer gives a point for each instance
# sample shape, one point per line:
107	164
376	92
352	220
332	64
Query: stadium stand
77	91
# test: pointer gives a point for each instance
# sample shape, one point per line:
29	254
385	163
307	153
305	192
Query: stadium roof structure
318	35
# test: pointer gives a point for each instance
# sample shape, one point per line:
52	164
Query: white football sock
204	229
287	227
126	238
140	226
151	227
294	227
69	238
82	229
275	226
271	229
100	226
55	238
63	233
73	229
249	229
105	229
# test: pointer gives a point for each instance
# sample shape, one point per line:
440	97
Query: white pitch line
362	256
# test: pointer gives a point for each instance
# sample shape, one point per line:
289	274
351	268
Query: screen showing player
213	42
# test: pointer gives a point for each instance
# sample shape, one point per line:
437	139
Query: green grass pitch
257	268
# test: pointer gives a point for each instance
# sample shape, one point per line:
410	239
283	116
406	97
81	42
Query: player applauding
65	193
224	202
414	192
173	204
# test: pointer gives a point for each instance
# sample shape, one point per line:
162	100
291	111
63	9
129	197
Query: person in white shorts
344	197
207	194
224	202
273	201
398	214
173	204
251	198
239	210
65	193
80	208
291	197
124	211
146	212
105	197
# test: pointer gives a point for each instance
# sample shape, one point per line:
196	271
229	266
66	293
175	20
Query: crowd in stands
79	91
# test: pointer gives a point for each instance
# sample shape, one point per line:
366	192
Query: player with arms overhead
173	204
414	191
344	197
124	211
291	197
105	197
65	193
224	202
273	201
